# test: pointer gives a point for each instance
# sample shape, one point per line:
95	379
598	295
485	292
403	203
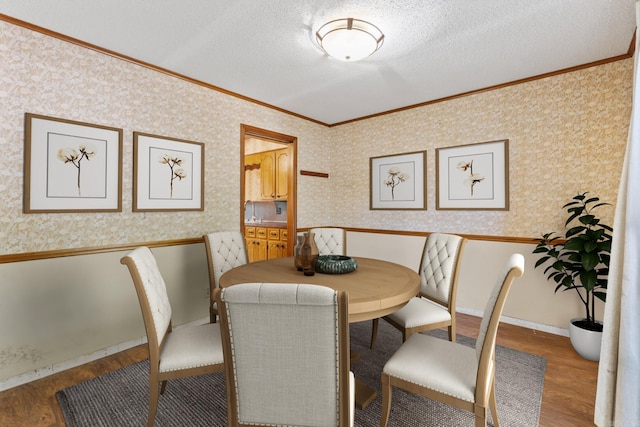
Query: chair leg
212	314
481	421
452	333
493	404
480	413
374	332
452	328
153	401
385	410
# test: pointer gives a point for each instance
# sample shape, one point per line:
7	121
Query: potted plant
579	262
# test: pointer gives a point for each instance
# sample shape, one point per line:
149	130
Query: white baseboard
519	322
68	364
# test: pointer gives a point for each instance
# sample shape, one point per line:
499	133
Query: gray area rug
120	398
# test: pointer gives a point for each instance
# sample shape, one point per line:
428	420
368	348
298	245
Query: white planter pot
586	343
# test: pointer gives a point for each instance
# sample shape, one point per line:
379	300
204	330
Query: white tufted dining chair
435	305
225	250
452	373
286	350
330	241
188	351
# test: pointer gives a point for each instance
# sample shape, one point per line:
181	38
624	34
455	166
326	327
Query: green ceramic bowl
335	264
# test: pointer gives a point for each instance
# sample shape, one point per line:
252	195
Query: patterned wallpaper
43	75
567	133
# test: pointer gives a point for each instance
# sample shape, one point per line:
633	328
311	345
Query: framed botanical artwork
71	166
473	177
167	174
398	181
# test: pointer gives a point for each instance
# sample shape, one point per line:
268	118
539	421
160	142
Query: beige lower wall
63	309
60	312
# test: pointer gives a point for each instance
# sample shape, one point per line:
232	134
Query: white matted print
71	166
168	174
398	181
473	177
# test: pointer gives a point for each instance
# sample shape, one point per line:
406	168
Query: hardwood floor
569	392
567	400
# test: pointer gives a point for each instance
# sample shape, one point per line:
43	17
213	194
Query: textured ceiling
266	50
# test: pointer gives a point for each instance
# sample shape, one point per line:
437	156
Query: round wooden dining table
376	288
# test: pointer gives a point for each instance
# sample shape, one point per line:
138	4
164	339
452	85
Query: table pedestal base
364	394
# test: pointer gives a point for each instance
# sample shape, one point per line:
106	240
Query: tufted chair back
439	267
185	352
330	241
225	250
152	294
286	345
435	306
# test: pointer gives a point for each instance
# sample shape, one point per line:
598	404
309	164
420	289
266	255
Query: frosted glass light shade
349	39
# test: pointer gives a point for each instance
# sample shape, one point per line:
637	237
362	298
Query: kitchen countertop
268	224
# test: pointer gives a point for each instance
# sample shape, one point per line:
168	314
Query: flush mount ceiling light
349	39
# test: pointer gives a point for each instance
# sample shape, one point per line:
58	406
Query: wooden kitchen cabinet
284	238
276	244
256	242
256	249
274	175
282	174
265	243
252	177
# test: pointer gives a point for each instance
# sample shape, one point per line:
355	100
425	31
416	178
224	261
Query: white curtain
618	393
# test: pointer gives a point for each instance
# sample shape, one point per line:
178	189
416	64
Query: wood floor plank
34	404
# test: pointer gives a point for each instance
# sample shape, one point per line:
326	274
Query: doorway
268	189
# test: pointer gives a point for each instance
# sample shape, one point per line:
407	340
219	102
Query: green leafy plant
579	261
